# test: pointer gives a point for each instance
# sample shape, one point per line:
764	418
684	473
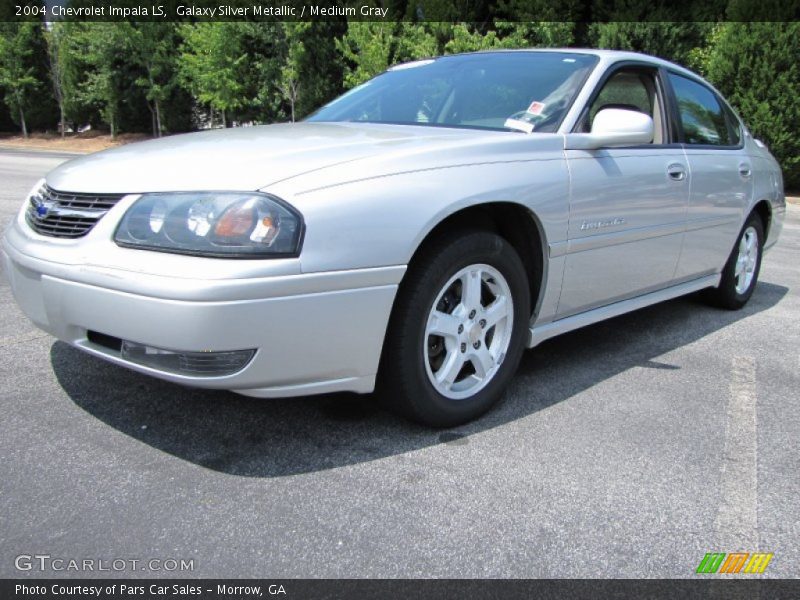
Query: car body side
319	320
535	173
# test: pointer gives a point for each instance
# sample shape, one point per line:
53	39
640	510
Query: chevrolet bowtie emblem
43	207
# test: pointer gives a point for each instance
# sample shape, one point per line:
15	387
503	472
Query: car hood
249	158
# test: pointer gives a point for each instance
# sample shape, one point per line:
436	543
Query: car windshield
521	91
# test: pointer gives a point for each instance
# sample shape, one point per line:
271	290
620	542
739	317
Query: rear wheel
740	274
458	329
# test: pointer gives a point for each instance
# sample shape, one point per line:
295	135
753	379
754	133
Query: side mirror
613	127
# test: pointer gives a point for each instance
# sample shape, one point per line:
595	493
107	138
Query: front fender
381	221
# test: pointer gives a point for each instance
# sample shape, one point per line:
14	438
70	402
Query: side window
630	89
703	119
623	90
734	127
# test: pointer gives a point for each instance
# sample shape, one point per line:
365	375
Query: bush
756	66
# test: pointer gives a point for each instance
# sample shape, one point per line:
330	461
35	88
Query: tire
452	283
740	274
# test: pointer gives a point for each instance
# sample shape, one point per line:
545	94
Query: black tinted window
701	114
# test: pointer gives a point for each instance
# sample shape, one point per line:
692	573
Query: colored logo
42	207
735	562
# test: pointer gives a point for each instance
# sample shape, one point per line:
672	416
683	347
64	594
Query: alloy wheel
468	331
747	260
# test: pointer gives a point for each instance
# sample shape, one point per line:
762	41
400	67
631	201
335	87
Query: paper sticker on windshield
522	126
536	108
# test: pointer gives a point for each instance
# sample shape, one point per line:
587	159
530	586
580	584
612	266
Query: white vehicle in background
417	233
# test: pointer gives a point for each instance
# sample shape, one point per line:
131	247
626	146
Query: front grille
67	215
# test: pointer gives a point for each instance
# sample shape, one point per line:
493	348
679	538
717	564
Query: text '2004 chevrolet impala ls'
415	234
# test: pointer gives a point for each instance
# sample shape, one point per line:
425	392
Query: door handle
676	172
744	170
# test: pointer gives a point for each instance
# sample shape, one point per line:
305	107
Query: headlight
219	224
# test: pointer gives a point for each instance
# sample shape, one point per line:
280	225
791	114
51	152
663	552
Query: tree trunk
224	120
158	118
295	94
113	128
22	123
56	74
211	118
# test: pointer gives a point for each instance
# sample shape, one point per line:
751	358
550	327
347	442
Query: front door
627	205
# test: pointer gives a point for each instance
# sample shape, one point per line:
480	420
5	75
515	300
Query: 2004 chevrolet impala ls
416	233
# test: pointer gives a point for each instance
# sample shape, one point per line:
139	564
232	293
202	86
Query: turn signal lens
236	221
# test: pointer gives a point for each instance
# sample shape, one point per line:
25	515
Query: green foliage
96	74
536	34
291	71
699	57
104	86
466	39
367	50
416	41
756	66
79	107
321	64
473	11
213	65
310	70
153	50
18	70
543	11
776	11
54	39
677	42
264	44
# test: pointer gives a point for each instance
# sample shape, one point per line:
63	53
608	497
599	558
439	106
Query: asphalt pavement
627	449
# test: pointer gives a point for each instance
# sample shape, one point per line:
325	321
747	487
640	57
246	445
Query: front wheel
740	274
457	331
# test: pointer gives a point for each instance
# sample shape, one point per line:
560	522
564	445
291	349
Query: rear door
627	205
721	176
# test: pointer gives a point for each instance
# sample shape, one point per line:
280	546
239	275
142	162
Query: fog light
197	364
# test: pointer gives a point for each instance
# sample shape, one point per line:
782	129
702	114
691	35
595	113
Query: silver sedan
414	235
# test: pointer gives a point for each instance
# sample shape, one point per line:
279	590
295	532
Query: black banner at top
472	11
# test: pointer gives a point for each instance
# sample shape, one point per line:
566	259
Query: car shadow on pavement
271	438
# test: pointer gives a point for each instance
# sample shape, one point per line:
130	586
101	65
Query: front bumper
313	332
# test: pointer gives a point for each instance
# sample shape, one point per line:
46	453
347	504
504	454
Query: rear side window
703	118
733	127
